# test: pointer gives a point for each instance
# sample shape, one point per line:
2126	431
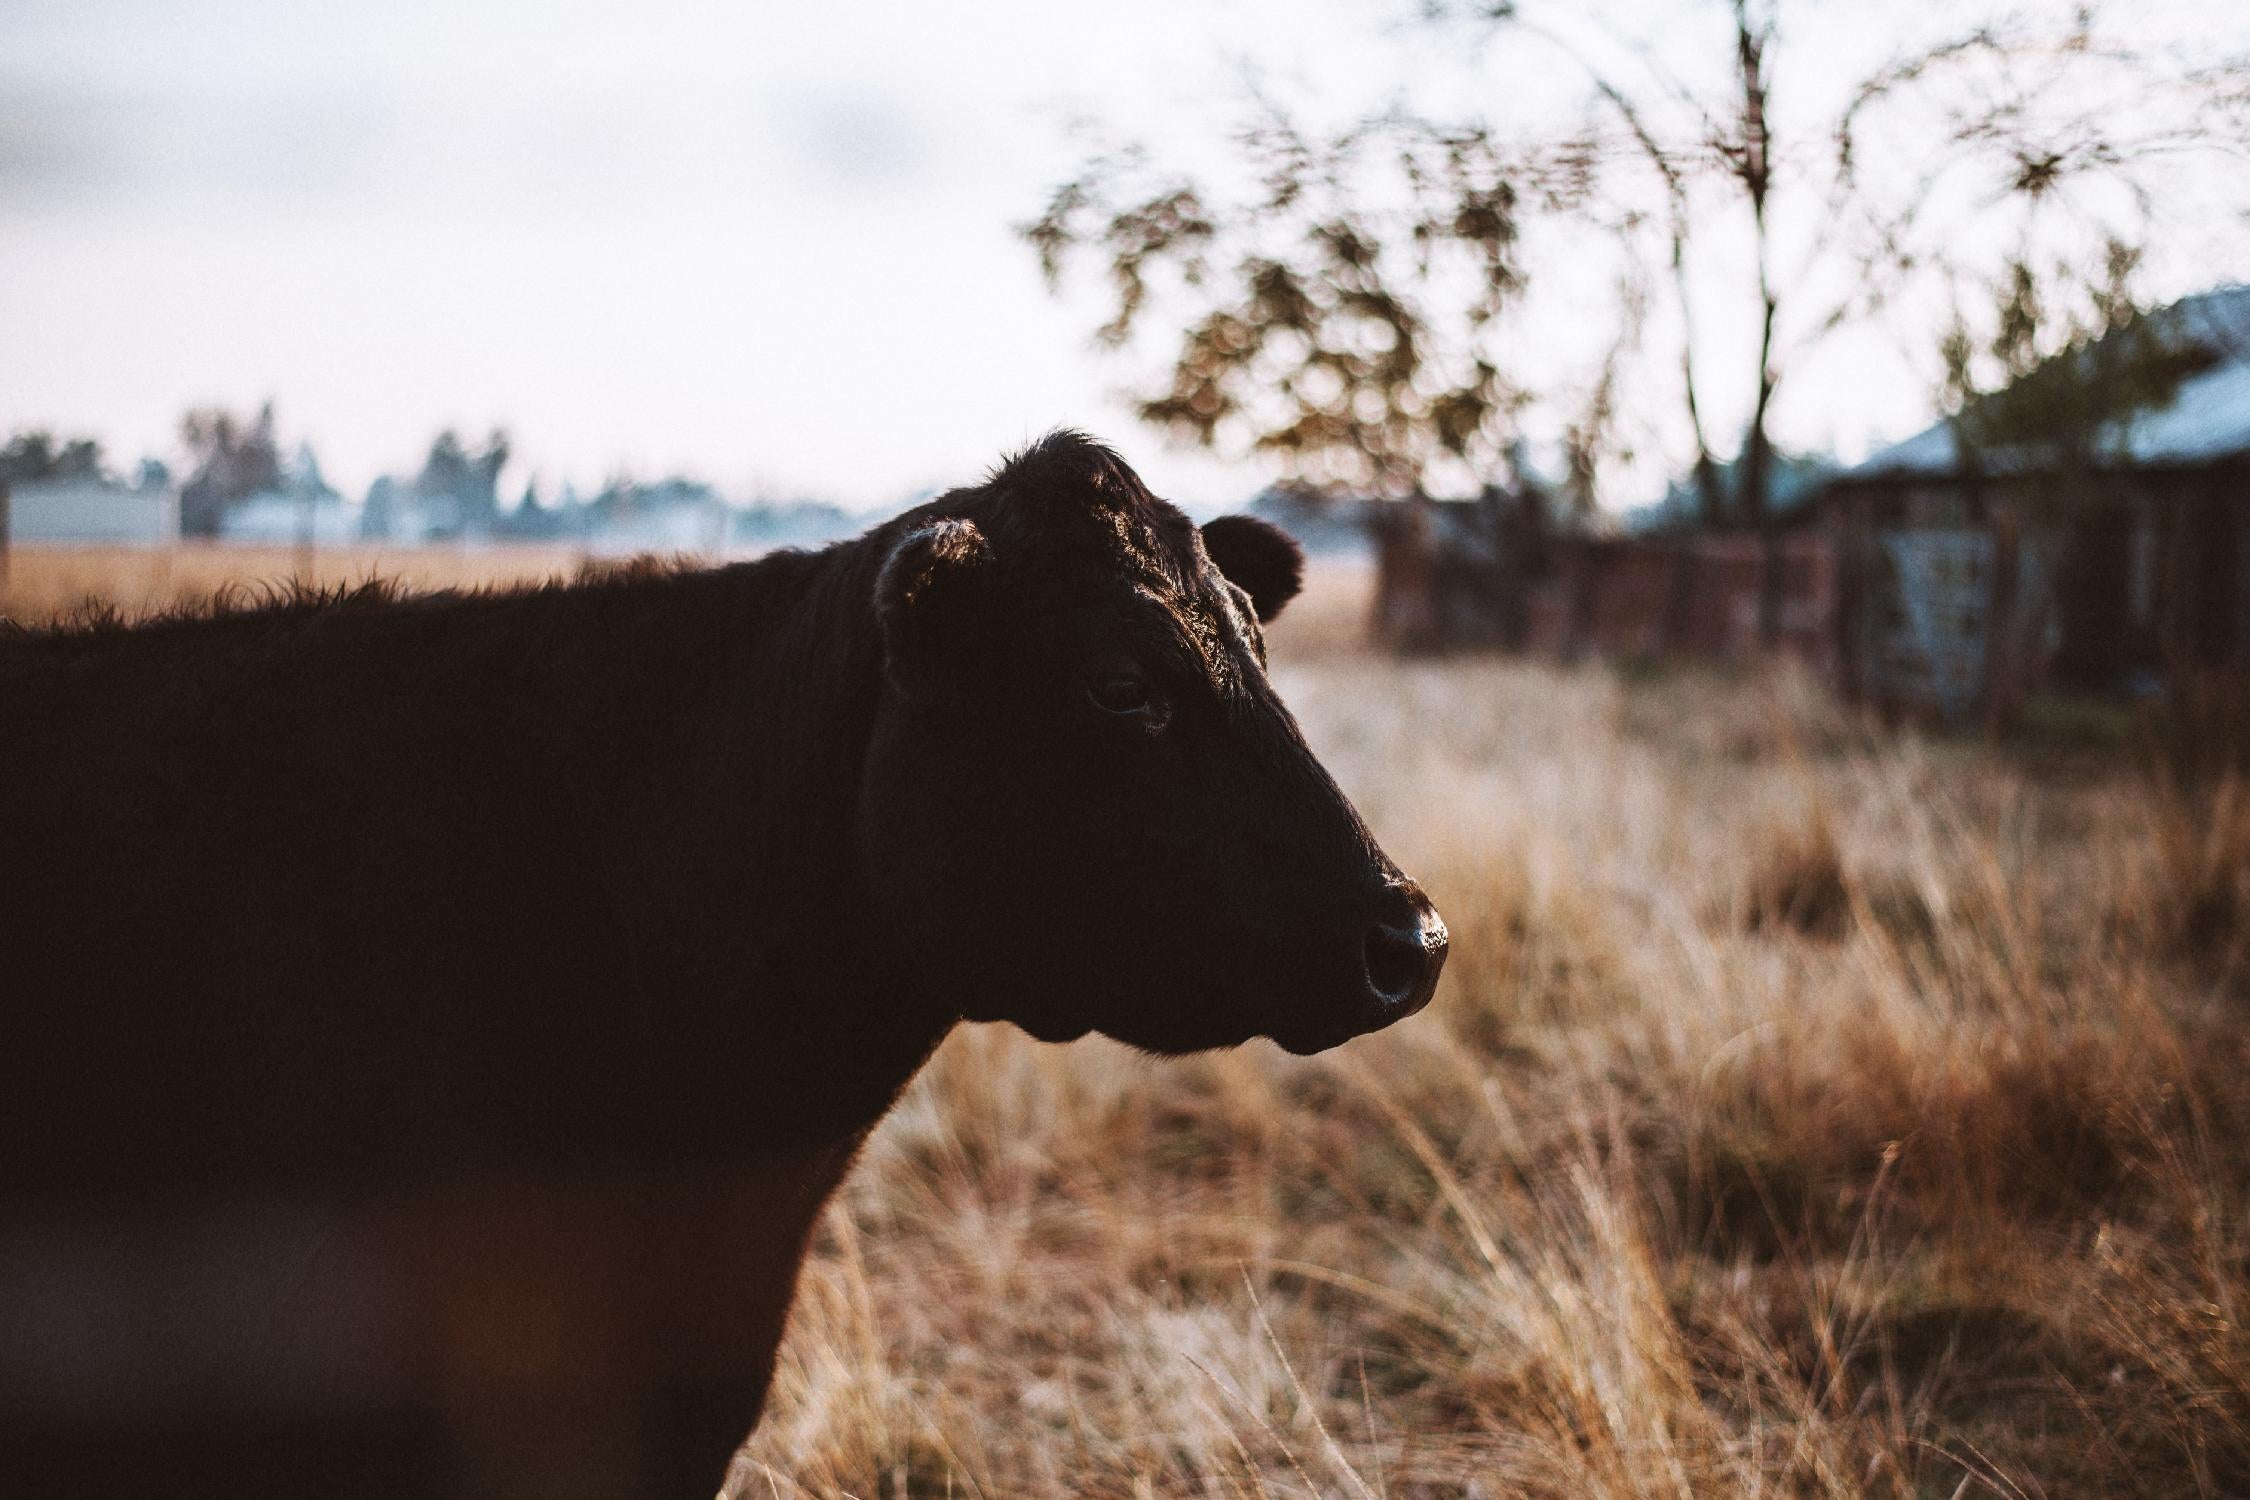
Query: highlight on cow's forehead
1067	485
1069	475
1071	465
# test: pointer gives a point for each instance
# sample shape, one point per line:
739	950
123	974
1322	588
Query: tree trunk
1756	465
1754	166
1757	508
1711	500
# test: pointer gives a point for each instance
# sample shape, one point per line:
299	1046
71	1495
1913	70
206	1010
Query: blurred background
1778	479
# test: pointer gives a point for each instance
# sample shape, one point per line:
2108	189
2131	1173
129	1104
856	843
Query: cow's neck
734	880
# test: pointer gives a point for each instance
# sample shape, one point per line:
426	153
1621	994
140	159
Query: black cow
430	1026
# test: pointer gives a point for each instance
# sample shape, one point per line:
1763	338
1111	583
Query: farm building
1952	574
1980	572
89	510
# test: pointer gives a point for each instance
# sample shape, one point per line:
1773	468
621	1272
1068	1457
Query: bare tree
1346	313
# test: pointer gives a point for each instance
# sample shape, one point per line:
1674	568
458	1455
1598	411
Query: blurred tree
234	459
1346	339
29	455
81	458
379	515
38	455
445	471
2056	368
1345	311
471	479
532	517
305	477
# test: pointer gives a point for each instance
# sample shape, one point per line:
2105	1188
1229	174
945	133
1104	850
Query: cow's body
256	976
242	901
431	1026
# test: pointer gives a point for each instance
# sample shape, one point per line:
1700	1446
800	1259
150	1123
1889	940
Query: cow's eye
1120	693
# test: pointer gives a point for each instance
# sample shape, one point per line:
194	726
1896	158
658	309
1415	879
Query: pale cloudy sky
767	244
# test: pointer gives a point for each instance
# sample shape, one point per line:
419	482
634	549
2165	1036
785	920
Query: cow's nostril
1403	961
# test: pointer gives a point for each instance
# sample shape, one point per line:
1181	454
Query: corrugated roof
2208	417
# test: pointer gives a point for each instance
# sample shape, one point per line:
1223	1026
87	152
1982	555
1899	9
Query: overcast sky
767	244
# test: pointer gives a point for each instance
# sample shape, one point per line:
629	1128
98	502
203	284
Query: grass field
1806	1111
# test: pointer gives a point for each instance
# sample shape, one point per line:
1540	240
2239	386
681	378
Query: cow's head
1085	806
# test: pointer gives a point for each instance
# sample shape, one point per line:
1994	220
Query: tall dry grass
1806	1111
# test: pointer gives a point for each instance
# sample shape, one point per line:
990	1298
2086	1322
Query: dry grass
1806	1112
44	582
1329	619
2196	893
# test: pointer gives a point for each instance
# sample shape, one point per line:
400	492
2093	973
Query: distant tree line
234	459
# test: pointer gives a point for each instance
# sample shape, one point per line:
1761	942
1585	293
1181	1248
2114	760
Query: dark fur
541	958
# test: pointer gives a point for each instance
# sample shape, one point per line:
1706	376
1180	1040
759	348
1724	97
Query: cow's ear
1262	560
929	591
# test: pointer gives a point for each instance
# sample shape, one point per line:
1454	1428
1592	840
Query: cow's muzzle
1401	953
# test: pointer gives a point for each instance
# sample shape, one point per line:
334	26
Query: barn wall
1694	596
